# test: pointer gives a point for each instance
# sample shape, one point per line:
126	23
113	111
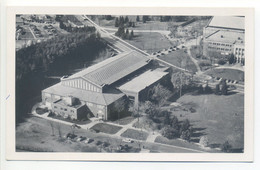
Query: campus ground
221	118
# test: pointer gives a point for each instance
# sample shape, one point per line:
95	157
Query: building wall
223	48
113	112
64	111
81	84
239	52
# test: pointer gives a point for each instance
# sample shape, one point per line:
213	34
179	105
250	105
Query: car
127	140
76	126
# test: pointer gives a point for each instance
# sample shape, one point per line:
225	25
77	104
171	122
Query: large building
96	89
225	35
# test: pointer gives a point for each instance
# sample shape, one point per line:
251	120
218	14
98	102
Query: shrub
204	141
204	63
217	89
221	62
185	135
170	132
226	147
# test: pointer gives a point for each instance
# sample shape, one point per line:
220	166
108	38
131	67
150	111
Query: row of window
65	109
240	49
221	49
79	83
238	53
227	45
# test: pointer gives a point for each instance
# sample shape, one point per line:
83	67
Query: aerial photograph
129	83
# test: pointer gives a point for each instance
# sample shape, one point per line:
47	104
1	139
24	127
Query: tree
226	147
170	132
116	22
132	34
126	20
186	135
127	34
231	59
145	18
224	87
180	80
59	130
137	18
160	94
185	125
52	128
120	32
175	122
217	89
204	141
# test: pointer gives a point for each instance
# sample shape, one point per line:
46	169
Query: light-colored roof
142	81
226	37
84	95
114	68
230	22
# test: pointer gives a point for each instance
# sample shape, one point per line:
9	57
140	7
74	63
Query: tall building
96	90
225	35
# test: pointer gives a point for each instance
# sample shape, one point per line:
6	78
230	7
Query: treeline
124	34
40	56
124	22
69	28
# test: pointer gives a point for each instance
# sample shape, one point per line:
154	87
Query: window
65	109
55	107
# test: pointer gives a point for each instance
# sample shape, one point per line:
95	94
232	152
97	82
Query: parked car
127	140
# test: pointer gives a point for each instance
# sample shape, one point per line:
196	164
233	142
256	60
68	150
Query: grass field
221	118
230	74
150	42
186	62
180	143
106	128
124	121
39	132
135	134
35	134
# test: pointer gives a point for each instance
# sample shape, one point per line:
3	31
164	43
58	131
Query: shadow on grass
231	93
215	145
198	134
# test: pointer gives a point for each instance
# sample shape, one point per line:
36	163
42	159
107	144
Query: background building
223	36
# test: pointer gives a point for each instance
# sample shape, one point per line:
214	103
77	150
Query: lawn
180	59
230	74
150	42
135	134
180	143
124	121
28	34
39	133
221	118
106	128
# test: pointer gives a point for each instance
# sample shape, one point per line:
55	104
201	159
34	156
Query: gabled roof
228	22
113	69
84	95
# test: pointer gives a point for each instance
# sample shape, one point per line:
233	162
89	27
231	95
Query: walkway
32	33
